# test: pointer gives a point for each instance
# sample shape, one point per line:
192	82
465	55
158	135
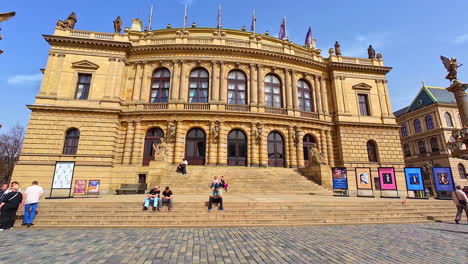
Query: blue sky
411	35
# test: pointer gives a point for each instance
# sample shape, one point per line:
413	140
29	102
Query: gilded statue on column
452	67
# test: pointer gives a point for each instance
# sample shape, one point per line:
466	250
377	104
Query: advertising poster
63	175
340	178
80	187
363	178
387	179
414	180
93	186
443	180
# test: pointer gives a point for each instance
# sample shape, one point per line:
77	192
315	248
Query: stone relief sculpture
371	52
452	67
118	25
316	157
160	150
69	23
337	48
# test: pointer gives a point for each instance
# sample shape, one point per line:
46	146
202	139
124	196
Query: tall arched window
429	122
160	86
434	144
372	151
448	119
305	96
404	130
407	150
273	91
72	139
417	125
237	87
198	87
422	147
461	171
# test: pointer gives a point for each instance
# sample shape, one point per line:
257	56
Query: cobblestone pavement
390	243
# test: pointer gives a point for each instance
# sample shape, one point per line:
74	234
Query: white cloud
461	39
25	79
358	47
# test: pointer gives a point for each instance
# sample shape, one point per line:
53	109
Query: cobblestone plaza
410	243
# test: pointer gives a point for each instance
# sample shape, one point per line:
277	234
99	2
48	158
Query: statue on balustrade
69	23
452	67
160	150
337	48
371	52
316	157
118	25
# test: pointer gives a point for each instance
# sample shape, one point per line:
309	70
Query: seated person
215	182
223	183
167	198
216	197
153	198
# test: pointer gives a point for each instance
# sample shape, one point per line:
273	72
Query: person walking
32	196
460	200
8	207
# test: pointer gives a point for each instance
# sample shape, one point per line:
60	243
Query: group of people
12	198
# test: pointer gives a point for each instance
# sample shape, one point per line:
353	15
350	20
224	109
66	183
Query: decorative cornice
89	42
359	67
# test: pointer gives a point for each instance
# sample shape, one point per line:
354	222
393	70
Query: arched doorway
153	135
275	150
195	146
237	148
308	141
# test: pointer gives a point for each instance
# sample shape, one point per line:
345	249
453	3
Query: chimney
137	25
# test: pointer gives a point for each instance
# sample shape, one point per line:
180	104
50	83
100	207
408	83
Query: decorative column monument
5	17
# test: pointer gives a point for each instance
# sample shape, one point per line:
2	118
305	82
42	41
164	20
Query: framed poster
443	180
414	179
80	187
363	179
63	175
340	178
387	179
94	186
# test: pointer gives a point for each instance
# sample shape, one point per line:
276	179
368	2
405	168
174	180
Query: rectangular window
82	87
363	104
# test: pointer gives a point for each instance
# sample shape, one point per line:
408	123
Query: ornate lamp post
5	17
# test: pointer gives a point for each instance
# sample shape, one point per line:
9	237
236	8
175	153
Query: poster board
414	179
80	187
94	187
62	179
364	181
387	181
443	179
340	179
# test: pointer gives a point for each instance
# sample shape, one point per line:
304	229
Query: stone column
291	146
183	87
179	144
324	144
287	87
253	146
300	152
137	144
127	154
330	149
137	81
253	86
145	84
263	159
295	98
261	92
214	82
323	88
212	153
318	96
222	146
222	83
175	81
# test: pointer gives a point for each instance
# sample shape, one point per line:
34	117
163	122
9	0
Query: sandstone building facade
218	97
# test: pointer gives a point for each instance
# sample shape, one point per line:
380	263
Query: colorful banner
80	187
340	178
93	186
363	178
387	179
443	179
414	179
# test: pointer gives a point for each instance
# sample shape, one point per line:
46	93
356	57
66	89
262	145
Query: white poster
63	174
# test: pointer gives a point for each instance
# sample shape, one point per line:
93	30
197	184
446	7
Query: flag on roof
254	21
282	32
308	39
219	17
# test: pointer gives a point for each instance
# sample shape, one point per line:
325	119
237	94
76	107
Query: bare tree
11	143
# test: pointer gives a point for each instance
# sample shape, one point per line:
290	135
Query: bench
137	188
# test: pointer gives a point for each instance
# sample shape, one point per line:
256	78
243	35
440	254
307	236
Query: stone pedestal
321	174
158	170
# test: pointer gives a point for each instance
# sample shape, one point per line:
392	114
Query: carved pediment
362	86
84	64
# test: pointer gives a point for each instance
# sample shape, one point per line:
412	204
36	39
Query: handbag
462	202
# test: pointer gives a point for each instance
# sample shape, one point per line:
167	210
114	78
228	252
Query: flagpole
150	18
185	17
219	19
285	28
254	21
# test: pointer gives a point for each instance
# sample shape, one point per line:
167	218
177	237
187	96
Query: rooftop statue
118	25
337	48
452	67
371	52
69	23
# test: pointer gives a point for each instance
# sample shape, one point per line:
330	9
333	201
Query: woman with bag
10	204
460	200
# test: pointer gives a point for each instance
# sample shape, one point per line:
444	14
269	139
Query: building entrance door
237	148
195	147
275	150
153	136
308	141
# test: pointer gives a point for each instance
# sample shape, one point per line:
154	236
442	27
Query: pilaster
253	86
215	82
137	81
287	86
212	147
324	90
175	81
130	131
261	93
318	96
294	91
222	83
137	147
183	88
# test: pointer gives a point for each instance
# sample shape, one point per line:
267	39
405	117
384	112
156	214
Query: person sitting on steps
153	198
223	184
182	167
216	196
215	182
167	198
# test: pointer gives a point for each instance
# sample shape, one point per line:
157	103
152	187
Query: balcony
276	111
157	106
196	106
238	108
310	115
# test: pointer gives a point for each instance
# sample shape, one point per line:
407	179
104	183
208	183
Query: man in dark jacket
8	207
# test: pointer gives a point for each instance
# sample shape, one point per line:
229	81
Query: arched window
305	96
461	171
434	144
429	122
273	91
160	86
198	87
417	125
407	150
448	120
404	130
71	142
237	87
372	151
422	147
